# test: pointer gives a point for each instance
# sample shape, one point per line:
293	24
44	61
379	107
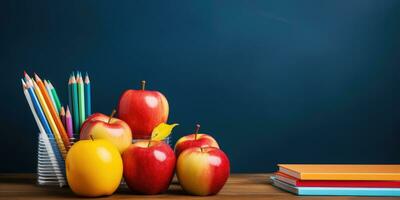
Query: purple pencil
68	123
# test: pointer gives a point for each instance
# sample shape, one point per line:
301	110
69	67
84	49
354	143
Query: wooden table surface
239	186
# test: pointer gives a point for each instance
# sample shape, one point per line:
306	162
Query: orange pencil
53	112
49	118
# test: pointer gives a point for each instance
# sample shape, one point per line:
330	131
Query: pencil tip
67	112
27	78
87	80
25	84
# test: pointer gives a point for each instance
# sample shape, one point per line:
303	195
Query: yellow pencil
50	119
54	114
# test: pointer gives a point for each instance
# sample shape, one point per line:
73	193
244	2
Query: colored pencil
88	105
70	93
29	100
55	96
75	111
50	120
38	108
49	147
68	123
48	89
81	94
62	116
39	116
53	112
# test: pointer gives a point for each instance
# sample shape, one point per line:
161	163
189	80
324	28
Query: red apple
195	140
100	126
148	167
143	110
202	171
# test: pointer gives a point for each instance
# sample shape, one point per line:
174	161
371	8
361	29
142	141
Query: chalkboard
273	81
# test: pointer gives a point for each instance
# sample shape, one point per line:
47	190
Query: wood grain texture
239	186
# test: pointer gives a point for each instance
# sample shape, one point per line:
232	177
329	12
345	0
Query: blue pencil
44	122
88	110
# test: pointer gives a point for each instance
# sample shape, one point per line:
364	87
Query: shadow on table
174	189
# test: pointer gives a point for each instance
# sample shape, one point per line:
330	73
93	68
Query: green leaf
162	131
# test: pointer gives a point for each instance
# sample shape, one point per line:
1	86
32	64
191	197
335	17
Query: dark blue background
273	81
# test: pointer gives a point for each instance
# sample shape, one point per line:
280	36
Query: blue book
336	191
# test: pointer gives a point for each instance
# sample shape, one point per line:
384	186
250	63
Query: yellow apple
100	126
94	168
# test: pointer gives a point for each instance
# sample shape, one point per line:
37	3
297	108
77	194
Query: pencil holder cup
50	164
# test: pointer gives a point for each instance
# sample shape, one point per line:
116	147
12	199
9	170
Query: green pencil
48	89
75	105
55	96
81	94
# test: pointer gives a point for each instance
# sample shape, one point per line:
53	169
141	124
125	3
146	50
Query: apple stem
196	131
111	116
91	137
201	149
148	144
143	84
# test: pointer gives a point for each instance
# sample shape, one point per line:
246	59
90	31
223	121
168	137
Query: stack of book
339	180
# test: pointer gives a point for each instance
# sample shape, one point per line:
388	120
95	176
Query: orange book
342	172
